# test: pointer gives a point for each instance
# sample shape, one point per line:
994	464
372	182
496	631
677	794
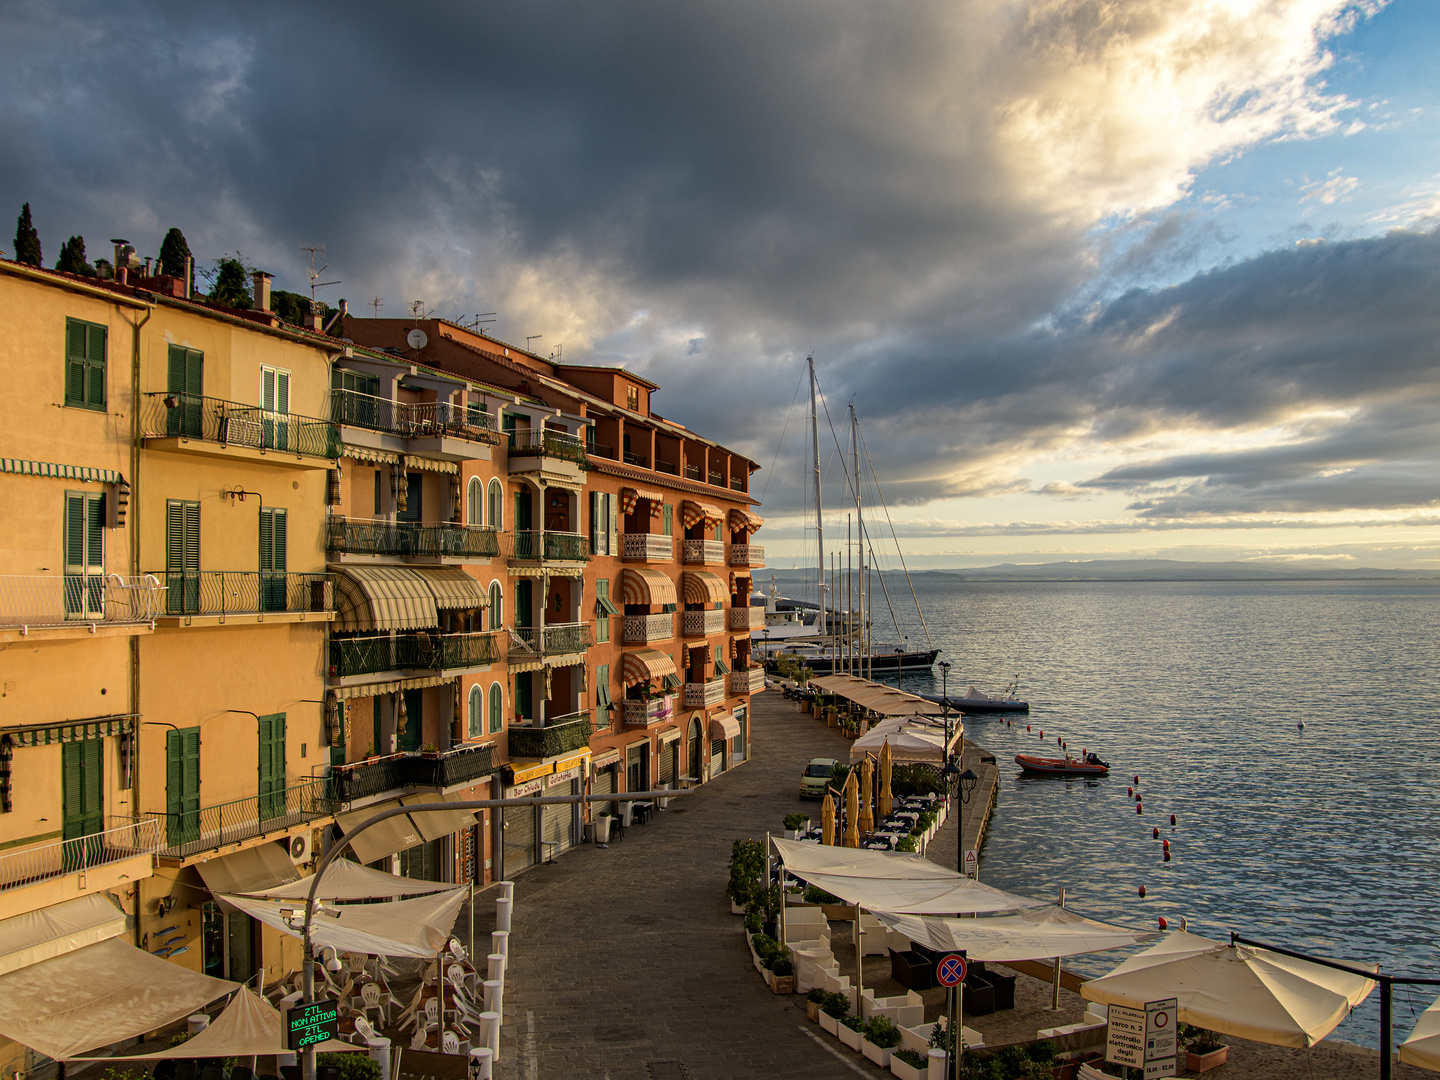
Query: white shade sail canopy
1037	934
1240	990
417	927
1422	1048
907	744
894	881
346	880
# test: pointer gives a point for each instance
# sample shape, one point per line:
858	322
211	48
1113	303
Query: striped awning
642	665
670	734
642	585
85	473
426	464
692	512
452	587
703	587
629	496
605	758
390	686
370	454
744	520
96	727
383	598
724	726
737	576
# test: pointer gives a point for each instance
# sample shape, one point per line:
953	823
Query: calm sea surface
1325	839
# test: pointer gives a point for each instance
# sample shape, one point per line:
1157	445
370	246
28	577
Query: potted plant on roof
881	1038
1203	1049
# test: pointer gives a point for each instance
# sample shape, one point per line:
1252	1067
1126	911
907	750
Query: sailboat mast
819	525
863	647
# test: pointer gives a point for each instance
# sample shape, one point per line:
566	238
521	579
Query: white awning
724	726
346	880
387	837
1422	1048
252	870
61	928
605	758
1039	933
433	824
907	744
418	927
894	881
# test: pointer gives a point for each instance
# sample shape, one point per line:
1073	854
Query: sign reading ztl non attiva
306	1025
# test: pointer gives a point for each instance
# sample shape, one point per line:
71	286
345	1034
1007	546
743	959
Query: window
182	786
497	607
524	696
497	702
85	364
603	610
182	556
272	767
721	668
669	527
476	725
84	555
475	502
414	486
632	398
358	404
602	686
185	389
272	559
274	389
604	527
82	791
497	506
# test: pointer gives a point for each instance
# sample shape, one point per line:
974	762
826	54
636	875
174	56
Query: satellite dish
416	339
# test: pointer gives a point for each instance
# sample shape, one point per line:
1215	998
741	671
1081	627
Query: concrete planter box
850	1037
906	1072
779	984
828	1023
812	1011
880	1055
736	909
1205	1062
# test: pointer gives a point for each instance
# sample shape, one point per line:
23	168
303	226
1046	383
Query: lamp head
968	779
333	964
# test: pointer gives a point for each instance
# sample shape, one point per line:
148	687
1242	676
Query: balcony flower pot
905	1071
880	1055
850	1037
829	1023
1203	1062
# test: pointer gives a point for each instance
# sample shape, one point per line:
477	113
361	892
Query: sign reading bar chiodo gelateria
306	1025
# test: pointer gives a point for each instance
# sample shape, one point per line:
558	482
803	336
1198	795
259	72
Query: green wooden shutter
272	559
84	544
95	367
669	527
74	362
603	609
185	382
82	801
524	700
595	513
272	766
612	515
85	345
182	786
182	556
602	686
497	701
414	734
475	717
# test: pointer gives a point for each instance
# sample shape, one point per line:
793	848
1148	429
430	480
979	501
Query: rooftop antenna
532	337
376	303
417	309
555	356
480	319
314	274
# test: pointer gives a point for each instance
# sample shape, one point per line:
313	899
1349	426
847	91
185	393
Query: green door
272	559
526	543
272	767
185	390
182	557
83	794
411	738
84	555
182	786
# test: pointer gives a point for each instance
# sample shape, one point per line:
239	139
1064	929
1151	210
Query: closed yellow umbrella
827	820
887	800
852	810
867	785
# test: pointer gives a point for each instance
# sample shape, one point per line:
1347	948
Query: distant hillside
1152	570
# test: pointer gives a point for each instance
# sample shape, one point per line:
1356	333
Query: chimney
189	275
147	265
261	301
315	320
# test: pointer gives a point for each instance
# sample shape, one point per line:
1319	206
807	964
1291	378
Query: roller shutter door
519	825
604	785
559	820
668	754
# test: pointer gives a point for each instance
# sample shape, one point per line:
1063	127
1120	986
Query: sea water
1325	839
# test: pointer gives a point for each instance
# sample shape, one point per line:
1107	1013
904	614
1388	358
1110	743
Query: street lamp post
968	780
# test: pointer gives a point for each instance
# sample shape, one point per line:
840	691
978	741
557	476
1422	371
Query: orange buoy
1139	809
1137	779
1129	792
1042	734
1163	924
1165	843
1172	819
1027	727
1167	854
1142	892
1155	834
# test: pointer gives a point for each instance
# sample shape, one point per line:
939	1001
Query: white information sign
1125	1037
1160	1027
972	864
1160	1067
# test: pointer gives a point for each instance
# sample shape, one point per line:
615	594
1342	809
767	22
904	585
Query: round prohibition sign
950	971
1162	1020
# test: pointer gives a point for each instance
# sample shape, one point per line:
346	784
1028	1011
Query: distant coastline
1140	570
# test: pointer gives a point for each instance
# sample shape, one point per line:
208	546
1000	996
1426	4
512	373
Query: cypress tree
27	240
72	258
173	253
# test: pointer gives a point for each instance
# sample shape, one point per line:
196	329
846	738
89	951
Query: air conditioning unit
300	848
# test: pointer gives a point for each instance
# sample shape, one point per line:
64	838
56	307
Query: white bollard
197	1023
502	913
497	966
500	942
494	998
935	1065
379	1052
490	1034
480	1064
507	890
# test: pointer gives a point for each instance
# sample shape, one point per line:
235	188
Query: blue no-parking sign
950	971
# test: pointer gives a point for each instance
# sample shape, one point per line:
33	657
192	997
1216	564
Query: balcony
451	768
638	460
554	546
747	555
374	653
412	420
560	736
644	629
749	681
234	426
226	593
544	443
717	479
702	695
190	832
649	713
701	623
737	483
647	547
747	618
352	536
57	601
692	472
704	551
122	838
555	639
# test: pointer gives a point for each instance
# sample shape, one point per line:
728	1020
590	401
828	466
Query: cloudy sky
1129	278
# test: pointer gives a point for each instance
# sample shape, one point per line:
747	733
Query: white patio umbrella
1422	1048
1240	990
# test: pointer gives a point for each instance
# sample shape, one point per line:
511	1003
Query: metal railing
191	416
546	443
638	460
665	466
120	838
749	617
361	536
51	600
188	832
648	713
640	629
371	653
699	623
528	546
366	779
595	449
559	736
717	479
737	483
749	681
704	694
655	547
243	592
692	472
412	420
554	639
704	551
747	555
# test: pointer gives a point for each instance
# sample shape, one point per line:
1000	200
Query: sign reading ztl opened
306	1025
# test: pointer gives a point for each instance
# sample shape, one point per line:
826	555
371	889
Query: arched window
497	703
475	502
497	506
497	607
476	717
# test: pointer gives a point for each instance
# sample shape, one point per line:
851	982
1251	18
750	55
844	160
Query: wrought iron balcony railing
58	600
121	838
561	735
747	555
243	592
360	536
230	423
369	654
717	479
376	776
189	832
554	639
704	694
530	546
699	623
737	483
542	442
704	551
651	547
412	420
641	629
